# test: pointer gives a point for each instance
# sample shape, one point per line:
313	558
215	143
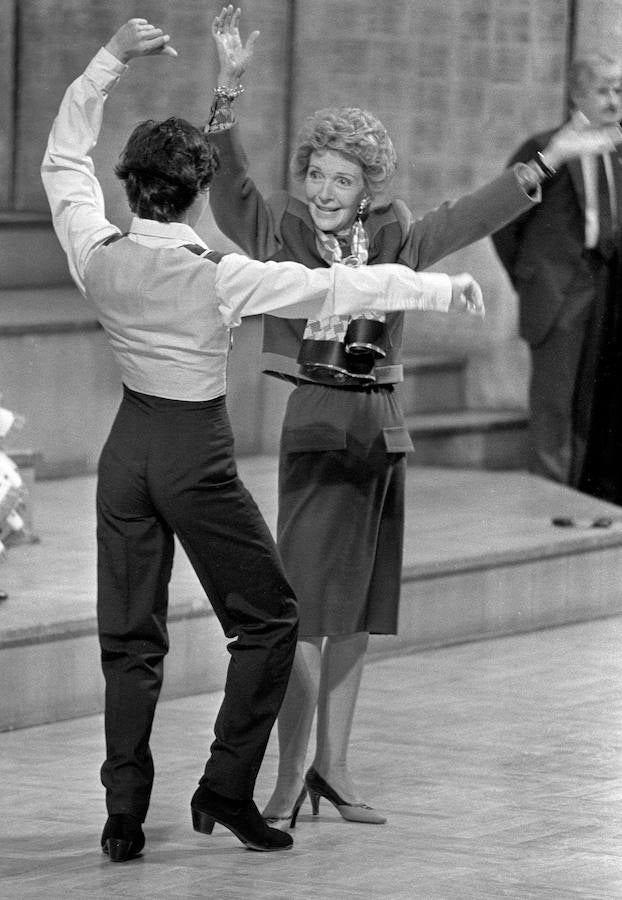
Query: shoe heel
315	802
118	850
301	799
201	822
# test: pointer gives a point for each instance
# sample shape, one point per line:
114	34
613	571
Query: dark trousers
563	379
601	473
168	468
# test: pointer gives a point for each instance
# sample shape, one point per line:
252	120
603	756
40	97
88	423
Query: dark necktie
607	207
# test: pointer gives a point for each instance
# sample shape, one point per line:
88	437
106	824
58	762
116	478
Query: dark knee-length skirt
341	508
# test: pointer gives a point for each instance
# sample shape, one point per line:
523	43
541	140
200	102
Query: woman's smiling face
334	187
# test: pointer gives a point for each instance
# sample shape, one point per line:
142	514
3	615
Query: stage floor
498	764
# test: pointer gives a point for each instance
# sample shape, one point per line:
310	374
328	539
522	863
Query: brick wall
456	83
60	36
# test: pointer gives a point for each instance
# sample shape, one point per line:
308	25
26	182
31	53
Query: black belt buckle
329	362
366	336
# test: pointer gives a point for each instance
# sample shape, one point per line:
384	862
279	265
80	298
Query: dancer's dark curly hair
164	166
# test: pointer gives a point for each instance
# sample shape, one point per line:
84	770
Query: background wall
598	26
458	84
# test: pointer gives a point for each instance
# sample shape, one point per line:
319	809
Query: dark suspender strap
111	239
213	255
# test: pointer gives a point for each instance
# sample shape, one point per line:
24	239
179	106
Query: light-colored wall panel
599	26
7	64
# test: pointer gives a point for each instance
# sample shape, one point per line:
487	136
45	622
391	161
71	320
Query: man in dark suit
562	259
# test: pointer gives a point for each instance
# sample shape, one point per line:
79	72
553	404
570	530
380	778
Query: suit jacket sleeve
238	207
454	225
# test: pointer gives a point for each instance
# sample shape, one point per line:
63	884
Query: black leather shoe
122	837
243	820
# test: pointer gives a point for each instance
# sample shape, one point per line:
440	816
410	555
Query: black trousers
601	473
168	468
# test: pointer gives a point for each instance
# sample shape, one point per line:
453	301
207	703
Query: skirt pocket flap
397	439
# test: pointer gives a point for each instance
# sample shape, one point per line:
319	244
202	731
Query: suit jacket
543	250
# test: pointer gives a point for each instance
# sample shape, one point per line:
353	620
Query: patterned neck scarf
331	248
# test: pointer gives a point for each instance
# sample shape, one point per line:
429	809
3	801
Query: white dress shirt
589	170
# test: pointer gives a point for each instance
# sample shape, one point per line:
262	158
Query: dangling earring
358	239
363	205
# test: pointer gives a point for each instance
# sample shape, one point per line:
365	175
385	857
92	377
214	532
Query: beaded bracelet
225	93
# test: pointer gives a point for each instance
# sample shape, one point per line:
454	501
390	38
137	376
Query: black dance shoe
243	820
122	837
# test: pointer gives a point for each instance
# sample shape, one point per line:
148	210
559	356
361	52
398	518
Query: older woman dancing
342	460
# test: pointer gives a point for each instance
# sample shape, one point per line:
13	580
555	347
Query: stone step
481	558
432	383
470	438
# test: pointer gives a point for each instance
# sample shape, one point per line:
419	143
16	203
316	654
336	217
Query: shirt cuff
430	291
104	69
441	297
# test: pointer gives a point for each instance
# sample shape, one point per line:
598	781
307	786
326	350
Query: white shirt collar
163	234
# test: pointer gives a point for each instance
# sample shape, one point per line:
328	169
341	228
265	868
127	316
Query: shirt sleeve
68	175
246	287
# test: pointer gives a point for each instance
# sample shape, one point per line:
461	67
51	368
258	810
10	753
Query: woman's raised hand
233	55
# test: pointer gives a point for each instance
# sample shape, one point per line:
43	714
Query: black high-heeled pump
279	821
352	812
122	837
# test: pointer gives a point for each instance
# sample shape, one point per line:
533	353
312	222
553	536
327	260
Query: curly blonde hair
354	132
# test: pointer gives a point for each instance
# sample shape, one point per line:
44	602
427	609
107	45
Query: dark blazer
281	228
543	250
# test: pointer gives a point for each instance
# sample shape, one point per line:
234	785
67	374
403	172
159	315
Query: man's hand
466	295
570	142
138	38
233	55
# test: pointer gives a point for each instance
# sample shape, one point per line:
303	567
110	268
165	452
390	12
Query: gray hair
585	69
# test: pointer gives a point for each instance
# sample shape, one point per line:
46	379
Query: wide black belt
328	362
349	362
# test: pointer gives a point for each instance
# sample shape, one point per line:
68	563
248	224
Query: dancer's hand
466	295
233	55
138	38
